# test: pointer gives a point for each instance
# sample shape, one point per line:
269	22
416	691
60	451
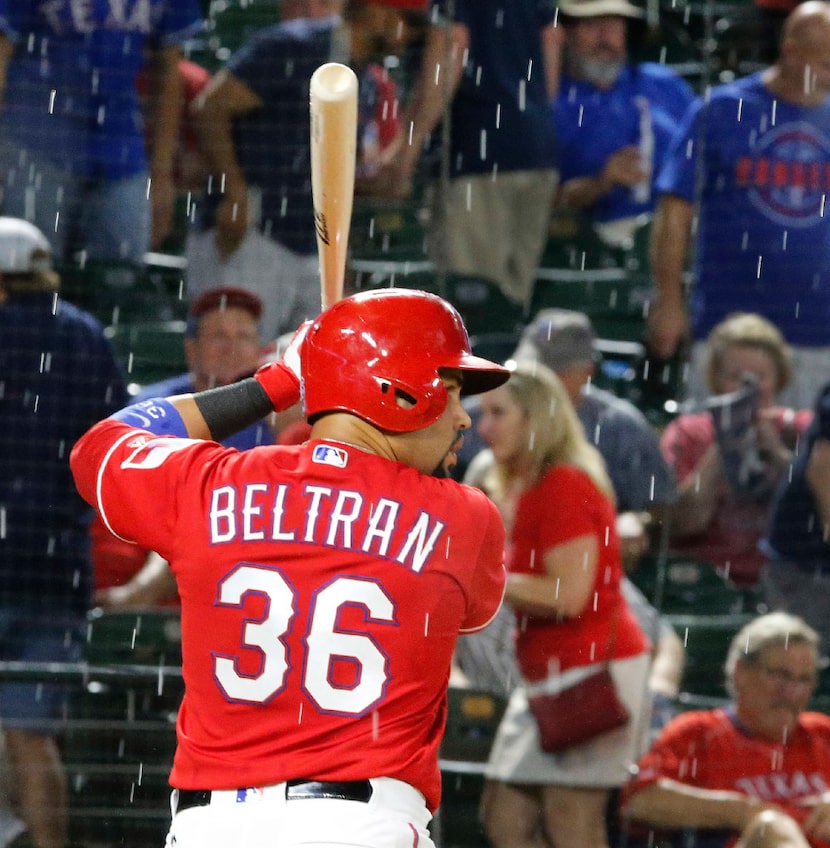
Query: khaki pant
495	228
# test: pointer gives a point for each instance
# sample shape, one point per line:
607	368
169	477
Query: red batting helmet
377	355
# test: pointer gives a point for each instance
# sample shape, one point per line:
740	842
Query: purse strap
612	636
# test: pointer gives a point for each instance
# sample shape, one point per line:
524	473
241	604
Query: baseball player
323	585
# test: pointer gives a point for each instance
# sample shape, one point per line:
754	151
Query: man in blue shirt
255	229
72	159
615	118
58	375
752	159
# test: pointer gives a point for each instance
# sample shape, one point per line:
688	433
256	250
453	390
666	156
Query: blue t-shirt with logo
71	92
644	107
763	241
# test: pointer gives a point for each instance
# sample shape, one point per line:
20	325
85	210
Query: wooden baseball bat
333	111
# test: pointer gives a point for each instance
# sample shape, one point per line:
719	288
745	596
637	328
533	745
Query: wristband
156	415
280	384
229	409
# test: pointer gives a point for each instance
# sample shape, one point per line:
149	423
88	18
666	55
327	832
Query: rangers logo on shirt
788	175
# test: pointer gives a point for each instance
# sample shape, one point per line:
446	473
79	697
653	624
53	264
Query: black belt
295	790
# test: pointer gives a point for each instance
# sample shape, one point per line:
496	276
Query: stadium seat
671	44
482	305
119	735
497	346
680	584
116	292
706	638
149	350
229	24
473	717
613	298
387	230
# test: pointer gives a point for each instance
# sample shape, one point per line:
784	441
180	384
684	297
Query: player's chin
451	457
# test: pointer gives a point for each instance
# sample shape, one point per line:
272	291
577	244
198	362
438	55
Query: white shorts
395	816
604	762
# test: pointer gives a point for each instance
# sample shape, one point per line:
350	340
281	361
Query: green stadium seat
613	298
672	45
496	346
683	585
473	717
482	305
116	292
706	639
573	244
387	230
119	735
230	23
149	350
151	637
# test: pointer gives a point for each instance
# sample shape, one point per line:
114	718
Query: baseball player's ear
403	399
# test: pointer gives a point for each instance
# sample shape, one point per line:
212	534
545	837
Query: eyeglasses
782	677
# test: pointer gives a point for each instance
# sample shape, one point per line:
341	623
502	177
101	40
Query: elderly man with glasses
754	773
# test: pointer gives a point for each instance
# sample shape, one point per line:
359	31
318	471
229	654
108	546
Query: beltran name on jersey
256	511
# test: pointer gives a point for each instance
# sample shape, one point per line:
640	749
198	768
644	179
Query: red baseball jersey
710	750
322	591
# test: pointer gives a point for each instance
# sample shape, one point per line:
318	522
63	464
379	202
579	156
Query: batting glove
282	380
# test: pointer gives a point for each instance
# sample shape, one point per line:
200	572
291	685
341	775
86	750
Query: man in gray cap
614	117
565	342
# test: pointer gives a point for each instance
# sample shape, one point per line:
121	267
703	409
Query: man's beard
602	73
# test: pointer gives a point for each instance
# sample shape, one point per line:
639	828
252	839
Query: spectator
796	577
190	171
257	225
325	602
643	482
189	167
58	375
73	158
615	117
711	521
222	346
494	67
564	573
758	151
755	771
644	488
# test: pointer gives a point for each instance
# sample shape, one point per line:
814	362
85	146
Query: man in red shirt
757	771
315	579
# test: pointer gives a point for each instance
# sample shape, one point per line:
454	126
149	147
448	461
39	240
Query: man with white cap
615	116
59	374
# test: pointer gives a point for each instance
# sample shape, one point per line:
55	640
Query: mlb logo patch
246	796
330	455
